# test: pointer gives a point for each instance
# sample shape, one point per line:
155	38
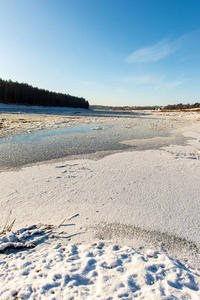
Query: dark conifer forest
24	94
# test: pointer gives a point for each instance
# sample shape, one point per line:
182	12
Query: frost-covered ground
122	227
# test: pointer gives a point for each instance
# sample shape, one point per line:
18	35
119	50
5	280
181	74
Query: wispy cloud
151	53
174	84
165	47
160	82
170	85
138	79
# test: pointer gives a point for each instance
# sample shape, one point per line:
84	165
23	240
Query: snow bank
95	271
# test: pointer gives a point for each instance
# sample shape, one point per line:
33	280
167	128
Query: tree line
181	106
24	94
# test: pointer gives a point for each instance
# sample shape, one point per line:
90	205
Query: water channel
44	145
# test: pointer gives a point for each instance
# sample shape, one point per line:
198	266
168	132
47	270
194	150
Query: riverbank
133	215
15	119
33	135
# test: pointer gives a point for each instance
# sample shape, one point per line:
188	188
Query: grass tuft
8	227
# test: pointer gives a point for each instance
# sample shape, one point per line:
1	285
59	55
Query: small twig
61	223
76	215
69	236
61	232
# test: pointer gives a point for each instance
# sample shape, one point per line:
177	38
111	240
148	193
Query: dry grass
8	226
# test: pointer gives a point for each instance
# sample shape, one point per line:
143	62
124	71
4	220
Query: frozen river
95	140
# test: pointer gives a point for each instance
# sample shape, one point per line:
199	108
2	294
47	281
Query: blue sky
111	52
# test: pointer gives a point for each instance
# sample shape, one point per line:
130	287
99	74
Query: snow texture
94	271
146	200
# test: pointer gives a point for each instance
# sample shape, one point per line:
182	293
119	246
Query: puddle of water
37	136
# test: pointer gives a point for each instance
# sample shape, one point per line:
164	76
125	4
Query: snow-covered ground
17	119
121	227
95	271
14	108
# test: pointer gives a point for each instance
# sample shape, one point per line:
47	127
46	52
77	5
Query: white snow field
122	227
95	271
